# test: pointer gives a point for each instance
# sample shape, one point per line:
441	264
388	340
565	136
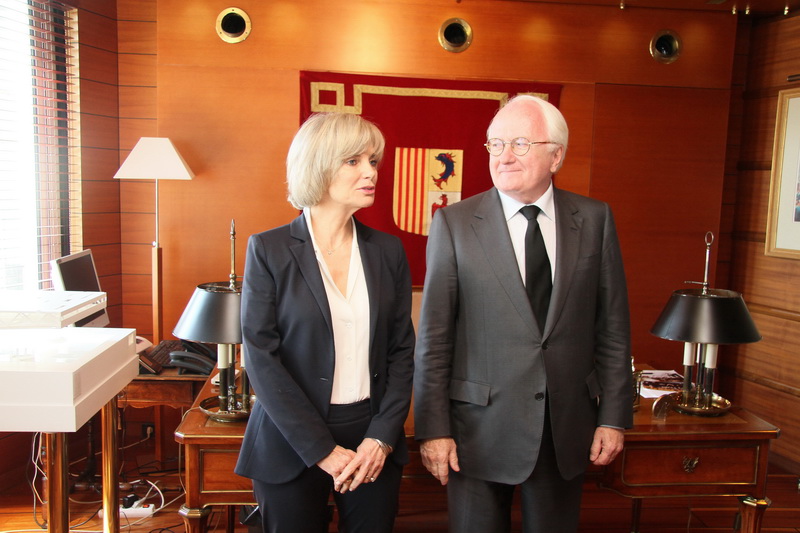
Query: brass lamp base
210	407
718	406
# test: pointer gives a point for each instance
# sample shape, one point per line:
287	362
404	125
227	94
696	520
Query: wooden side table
211	451
685	455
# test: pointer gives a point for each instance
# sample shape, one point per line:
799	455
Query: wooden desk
167	389
681	455
211	450
684	455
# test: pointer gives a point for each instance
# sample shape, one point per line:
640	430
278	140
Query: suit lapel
568	239
303	251
371	263
491	230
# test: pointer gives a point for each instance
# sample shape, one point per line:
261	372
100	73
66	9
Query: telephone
196	359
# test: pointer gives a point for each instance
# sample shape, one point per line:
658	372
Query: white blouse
350	316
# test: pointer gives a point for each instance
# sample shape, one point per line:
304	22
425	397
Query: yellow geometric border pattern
361	89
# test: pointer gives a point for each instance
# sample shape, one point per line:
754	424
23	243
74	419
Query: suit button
545	345
539	396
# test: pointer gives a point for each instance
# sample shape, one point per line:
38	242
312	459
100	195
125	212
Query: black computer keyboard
160	353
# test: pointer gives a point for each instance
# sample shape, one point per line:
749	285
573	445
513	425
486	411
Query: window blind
40	211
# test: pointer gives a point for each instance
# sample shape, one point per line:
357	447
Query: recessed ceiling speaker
455	35
233	25
665	46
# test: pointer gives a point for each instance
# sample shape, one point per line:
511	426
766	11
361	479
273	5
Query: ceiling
759	8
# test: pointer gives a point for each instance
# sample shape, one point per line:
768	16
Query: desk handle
690	463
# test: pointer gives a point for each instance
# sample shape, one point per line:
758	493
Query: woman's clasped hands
349	468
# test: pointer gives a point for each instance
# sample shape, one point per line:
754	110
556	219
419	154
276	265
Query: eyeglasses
520	145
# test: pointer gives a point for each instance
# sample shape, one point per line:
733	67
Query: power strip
145	510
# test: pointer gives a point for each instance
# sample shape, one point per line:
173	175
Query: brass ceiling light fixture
665	46
455	35
233	25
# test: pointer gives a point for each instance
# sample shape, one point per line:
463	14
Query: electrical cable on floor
36	462
35	457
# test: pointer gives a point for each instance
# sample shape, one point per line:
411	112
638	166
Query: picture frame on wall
783	219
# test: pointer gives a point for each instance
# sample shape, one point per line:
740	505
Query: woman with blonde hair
329	343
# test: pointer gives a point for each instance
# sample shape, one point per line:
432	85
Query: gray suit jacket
482	365
288	337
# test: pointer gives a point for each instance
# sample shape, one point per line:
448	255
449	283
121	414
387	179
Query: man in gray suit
507	395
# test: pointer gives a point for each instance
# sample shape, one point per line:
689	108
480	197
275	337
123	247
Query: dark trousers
301	505
550	504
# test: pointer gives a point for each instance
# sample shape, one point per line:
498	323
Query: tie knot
530	211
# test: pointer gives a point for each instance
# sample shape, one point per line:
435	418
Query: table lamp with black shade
703	318
213	316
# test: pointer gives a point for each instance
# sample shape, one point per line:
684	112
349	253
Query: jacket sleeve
612	334
387	424
435	345
283	399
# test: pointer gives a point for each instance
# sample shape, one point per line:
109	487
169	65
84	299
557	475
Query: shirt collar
545	202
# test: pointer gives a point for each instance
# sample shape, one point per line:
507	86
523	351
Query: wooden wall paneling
100	7
778	408
775	49
131	130
98	65
766	372
97	30
138	196
137	103
100	228
112	286
138	228
761	360
661	170
751	204
99	163
137	289
137	69
137	37
98	98
577	106
759	127
767	281
602	43
107	257
14	454
144	10
139	317
99	131
100	196
237	151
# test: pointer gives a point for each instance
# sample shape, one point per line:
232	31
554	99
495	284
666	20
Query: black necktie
538	280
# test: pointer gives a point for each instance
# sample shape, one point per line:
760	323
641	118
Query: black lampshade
213	315
713	316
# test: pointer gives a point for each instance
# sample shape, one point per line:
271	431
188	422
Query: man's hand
607	444
439	456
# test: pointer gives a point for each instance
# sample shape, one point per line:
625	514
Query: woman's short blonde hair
320	147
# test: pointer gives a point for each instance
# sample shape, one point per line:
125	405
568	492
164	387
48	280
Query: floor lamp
155	158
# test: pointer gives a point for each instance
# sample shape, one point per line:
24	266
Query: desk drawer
216	467
706	465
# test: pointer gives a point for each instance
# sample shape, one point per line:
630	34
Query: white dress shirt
350	317
518	225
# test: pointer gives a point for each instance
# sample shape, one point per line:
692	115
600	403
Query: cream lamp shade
154	158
